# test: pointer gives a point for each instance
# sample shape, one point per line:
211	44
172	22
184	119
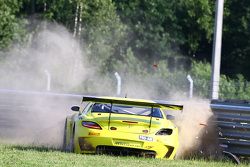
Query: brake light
91	125
164	132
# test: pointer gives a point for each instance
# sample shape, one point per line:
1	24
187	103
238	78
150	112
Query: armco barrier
233	121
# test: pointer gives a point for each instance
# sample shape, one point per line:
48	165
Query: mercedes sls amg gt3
119	126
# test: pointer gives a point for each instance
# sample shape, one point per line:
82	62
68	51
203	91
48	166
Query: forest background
158	42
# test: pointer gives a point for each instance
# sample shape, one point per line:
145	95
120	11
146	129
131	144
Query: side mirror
170	117
75	108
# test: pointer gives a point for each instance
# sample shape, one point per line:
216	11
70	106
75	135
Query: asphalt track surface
34	117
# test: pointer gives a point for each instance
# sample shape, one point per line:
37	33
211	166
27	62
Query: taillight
164	132
91	125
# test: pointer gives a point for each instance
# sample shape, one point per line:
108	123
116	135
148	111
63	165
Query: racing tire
68	147
64	145
71	146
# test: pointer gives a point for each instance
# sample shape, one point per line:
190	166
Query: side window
157	113
99	107
87	108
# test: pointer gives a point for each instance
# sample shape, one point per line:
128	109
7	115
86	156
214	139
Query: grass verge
16	155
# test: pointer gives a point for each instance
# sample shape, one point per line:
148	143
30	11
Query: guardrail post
191	86
118	78
48	79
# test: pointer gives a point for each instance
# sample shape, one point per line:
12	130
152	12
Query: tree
164	28
152	26
236	35
12	28
103	33
95	22
195	17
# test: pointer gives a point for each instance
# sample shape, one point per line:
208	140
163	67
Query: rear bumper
112	150
90	141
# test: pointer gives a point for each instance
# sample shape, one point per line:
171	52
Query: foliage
160	28
237	88
11	27
151	34
201	73
195	17
236	35
103	33
99	28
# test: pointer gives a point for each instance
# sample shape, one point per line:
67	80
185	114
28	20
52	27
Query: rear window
127	109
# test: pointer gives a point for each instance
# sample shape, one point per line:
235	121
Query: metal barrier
233	121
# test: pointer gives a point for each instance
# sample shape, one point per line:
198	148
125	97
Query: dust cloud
30	117
197	130
50	50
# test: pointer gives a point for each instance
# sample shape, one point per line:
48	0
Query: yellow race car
122	126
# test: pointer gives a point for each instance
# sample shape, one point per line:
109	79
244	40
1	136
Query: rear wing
134	102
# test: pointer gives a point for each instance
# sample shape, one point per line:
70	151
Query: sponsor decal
94	134
149	147
125	144
146	138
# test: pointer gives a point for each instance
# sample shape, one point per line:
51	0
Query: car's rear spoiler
135	102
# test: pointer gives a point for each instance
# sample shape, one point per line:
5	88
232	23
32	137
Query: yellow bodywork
123	131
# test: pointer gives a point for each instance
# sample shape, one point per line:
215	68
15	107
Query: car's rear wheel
68	147
71	146
64	145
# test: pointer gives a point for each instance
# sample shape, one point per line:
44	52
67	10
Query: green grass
12	155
